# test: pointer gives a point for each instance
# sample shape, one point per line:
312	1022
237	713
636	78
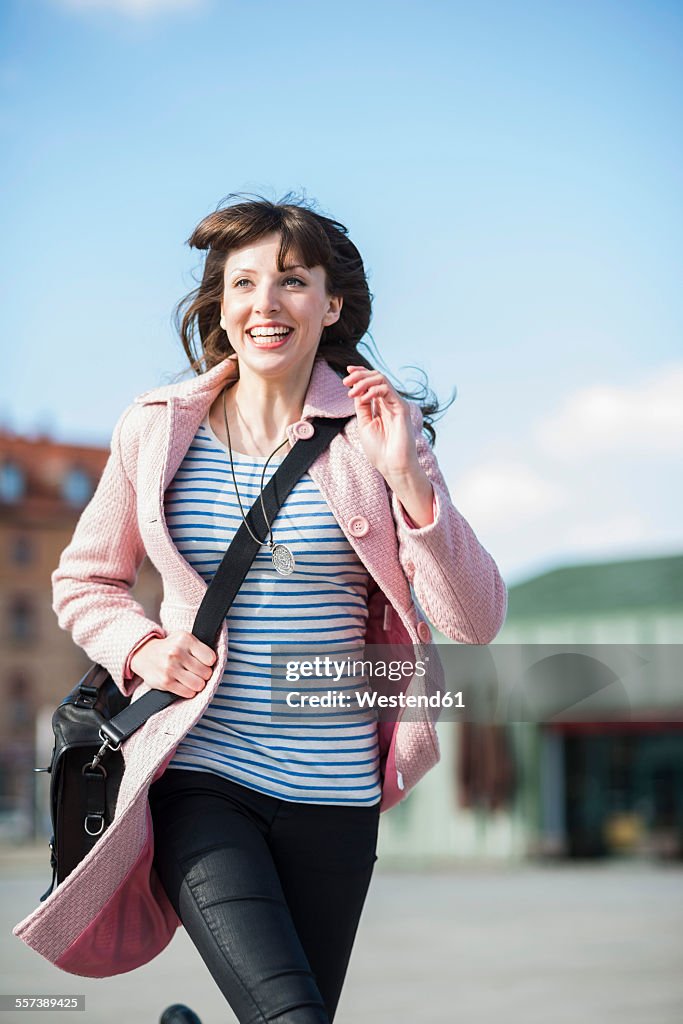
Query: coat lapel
179	410
353	487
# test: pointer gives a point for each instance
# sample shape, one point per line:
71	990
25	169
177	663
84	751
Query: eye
287	280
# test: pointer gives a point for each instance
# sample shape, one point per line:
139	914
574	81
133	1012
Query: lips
272	341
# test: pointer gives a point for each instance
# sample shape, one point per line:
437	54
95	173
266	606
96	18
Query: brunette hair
312	238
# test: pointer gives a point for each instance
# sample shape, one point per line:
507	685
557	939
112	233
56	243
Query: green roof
600	587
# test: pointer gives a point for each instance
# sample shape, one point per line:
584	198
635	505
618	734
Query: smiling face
274	318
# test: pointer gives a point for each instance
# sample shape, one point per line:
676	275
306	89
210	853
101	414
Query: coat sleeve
90	586
455	579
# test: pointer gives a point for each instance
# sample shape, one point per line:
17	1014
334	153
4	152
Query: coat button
358	526
303	429
424	632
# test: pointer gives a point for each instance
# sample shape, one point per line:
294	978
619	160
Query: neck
262	408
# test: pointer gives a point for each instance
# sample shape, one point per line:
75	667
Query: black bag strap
231	572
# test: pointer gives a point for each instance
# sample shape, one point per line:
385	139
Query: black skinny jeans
270	891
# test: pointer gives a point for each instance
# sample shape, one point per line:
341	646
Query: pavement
596	943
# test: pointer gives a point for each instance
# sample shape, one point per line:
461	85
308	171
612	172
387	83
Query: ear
334	310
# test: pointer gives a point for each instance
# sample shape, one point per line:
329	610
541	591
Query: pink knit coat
111	915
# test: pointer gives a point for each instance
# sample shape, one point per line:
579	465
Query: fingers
365	385
206	655
176	687
183	665
192	676
359	378
374	391
192	662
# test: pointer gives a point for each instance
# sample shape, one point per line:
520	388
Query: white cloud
133	8
641	420
603	535
599	480
496	494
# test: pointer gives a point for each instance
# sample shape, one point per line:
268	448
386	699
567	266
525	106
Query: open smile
270	340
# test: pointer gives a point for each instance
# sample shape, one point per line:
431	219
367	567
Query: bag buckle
97	818
108	744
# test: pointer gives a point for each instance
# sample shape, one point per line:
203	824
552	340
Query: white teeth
268	332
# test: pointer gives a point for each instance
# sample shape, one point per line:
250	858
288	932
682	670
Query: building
612	785
43	488
607	784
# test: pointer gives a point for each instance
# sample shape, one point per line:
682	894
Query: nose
265	298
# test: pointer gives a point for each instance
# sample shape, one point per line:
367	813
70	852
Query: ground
595	943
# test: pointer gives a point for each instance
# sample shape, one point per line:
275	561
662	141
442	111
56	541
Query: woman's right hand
179	663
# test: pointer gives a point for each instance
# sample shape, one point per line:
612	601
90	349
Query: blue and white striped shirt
318	755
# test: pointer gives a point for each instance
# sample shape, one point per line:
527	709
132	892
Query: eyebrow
249	270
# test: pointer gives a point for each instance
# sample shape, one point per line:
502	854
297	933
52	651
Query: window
22	619
77	487
19	702
22	550
12	482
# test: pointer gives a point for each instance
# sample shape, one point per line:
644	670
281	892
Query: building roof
42	469
600	587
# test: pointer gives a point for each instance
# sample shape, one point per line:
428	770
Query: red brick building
44	486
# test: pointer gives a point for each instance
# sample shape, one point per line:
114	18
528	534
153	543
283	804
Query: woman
260	839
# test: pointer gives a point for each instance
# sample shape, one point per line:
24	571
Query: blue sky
510	172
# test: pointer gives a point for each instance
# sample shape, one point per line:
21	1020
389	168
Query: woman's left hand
384	424
388	439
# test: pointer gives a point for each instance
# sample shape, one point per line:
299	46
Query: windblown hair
307	237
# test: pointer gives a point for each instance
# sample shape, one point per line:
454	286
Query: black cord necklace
282	557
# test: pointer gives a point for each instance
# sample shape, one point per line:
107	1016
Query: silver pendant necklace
281	556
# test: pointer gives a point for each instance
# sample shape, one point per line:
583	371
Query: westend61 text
371	699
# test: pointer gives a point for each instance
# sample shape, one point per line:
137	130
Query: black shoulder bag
95	718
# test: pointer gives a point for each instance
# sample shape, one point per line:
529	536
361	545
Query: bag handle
230	574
